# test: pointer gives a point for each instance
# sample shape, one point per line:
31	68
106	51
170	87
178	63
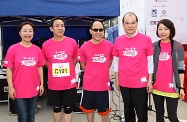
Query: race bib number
60	69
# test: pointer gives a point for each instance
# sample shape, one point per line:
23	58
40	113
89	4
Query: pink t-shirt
60	58
164	75
133	64
97	58
24	62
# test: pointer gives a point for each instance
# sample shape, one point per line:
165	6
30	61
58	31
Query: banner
175	10
135	6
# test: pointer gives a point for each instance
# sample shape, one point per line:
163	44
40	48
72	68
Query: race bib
60	69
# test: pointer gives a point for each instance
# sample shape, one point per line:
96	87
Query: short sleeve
41	58
75	53
81	54
9	58
150	47
115	51
43	51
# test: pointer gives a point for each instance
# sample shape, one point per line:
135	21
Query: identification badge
60	69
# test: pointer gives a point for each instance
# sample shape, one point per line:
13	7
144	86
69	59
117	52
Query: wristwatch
181	88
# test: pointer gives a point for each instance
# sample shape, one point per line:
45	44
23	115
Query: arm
83	65
46	64
181	93
181	71
116	63
110	63
75	54
149	84
117	81
11	91
181	78
150	72
75	62
41	87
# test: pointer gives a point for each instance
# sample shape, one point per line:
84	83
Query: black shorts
62	97
92	100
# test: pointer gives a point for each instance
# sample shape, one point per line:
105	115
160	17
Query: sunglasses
98	29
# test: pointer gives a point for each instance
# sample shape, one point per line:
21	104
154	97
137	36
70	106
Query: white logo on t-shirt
73	81
164	56
171	85
132	52
60	55
143	79
28	61
100	58
6	62
108	83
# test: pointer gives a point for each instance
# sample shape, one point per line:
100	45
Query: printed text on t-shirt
28	61
132	52
100	58
60	55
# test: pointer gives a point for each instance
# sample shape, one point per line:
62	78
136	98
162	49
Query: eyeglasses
98	29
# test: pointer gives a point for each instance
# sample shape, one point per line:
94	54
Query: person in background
60	53
133	66
169	70
24	62
95	57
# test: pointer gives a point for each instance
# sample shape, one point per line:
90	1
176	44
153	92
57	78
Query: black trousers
171	106
135	100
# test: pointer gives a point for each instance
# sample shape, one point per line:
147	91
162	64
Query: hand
149	87
41	90
12	93
181	94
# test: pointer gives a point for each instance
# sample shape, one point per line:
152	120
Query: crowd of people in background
141	68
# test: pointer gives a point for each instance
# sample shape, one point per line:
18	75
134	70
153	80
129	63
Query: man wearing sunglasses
95	57
133	62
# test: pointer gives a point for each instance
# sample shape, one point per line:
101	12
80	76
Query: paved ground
45	113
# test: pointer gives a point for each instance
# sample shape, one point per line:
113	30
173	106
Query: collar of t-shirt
132	35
